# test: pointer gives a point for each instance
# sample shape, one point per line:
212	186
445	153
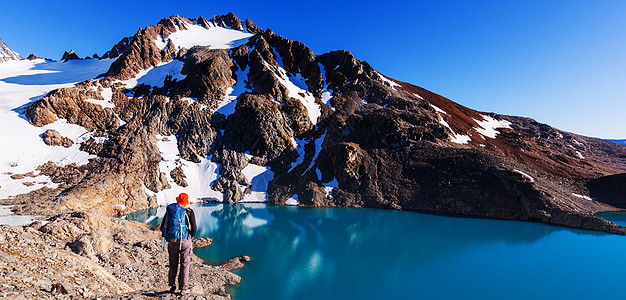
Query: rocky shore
88	255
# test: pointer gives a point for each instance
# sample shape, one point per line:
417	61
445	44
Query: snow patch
327	94
259	178
329	186
530	178
420	97
455	138
103	103
439	110
579	155
7	217
107	94
156	76
300	143
160	43
582	197
198	176
388	81
460	138
293	84
228	104
215	37
293	200
488	126
21	83
318	148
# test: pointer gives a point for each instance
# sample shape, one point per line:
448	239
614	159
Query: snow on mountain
6	54
22	149
277	137
199	176
215	37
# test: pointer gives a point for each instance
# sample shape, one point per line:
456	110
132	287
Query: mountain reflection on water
341	253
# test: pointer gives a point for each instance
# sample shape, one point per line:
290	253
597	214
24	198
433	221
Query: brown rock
179	176
235	263
53	138
202	242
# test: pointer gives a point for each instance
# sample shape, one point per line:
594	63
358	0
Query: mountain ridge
262	118
7	54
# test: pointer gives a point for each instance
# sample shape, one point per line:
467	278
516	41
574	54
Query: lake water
341	253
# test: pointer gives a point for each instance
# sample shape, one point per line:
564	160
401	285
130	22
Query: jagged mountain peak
160	43
69	55
7	54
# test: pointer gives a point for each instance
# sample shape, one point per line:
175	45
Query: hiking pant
179	254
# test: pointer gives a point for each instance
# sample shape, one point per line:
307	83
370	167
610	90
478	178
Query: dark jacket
191	216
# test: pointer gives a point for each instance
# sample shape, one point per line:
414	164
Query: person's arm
192	221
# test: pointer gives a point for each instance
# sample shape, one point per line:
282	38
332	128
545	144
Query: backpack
176	223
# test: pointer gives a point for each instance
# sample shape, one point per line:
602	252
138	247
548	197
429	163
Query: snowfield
198	176
22	149
195	35
489	125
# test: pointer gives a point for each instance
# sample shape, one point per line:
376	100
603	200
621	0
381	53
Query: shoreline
89	255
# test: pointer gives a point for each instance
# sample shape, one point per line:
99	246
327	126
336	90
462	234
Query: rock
227	21
202	242
108	255
33	57
235	263
58	288
179	176
69	56
53	138
251	27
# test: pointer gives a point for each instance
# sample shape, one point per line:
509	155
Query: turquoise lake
342	253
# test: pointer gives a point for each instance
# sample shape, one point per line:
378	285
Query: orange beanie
182	199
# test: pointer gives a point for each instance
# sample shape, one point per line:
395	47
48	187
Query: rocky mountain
6	54
229	112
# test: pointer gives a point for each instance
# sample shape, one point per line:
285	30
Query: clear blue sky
559	62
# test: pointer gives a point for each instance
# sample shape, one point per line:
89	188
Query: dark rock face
332	130
71	55
208	75
609	189
53	138
33	57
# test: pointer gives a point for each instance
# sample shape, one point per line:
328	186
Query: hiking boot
185	292
172	289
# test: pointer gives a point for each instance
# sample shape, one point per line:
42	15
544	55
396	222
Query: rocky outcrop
609	189
71	55
33	57
53	138
235	263
70	104
87	255
202	242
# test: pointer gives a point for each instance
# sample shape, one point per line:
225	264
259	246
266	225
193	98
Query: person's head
182	199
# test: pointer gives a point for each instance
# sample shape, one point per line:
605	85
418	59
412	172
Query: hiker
178	228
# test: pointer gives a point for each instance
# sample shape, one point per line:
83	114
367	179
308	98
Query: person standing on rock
179	228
